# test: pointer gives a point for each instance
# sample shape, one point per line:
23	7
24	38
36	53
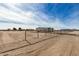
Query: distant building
45	29
29	29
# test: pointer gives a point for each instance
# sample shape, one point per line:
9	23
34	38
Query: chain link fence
10	40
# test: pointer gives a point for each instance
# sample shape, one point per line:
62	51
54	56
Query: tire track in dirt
64	47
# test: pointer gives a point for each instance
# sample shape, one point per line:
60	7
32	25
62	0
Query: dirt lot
38	44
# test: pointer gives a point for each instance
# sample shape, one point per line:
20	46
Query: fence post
37	34
26	37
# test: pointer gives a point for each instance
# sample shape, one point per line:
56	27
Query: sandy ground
47	44
65	46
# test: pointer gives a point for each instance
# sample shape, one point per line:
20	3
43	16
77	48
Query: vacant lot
33	43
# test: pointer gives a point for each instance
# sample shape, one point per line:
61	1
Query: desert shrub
14	29
19	28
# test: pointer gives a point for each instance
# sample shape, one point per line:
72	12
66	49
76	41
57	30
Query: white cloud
31	18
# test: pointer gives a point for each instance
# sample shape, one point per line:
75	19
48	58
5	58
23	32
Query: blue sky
25	15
